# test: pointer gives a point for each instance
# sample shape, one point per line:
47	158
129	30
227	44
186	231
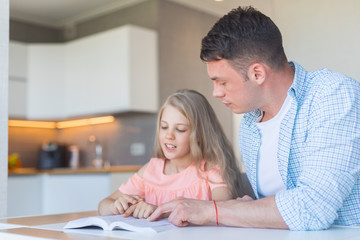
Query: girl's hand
140	210
122	203
245	198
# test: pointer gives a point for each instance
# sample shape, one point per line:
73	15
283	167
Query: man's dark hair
244	36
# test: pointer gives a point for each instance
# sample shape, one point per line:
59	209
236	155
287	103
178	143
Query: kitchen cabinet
108	72
24	195
17	98
46	81
18	59
112	71
17	79
60	193
36	80
75	192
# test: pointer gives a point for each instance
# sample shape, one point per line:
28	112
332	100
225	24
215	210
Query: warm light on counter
34	124
84	122
62	124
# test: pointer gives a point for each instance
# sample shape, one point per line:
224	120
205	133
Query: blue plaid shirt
318	152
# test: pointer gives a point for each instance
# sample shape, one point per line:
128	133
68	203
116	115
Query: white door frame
4	83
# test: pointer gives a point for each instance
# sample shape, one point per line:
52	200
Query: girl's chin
168	155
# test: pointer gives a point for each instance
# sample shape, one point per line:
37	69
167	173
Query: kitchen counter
84	170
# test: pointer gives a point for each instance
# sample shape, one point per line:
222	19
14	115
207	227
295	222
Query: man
299	138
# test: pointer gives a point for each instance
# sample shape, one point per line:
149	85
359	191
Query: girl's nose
169	134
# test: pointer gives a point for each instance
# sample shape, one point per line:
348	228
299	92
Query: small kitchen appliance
53	155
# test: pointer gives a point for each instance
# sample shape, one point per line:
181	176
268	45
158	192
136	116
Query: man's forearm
262	213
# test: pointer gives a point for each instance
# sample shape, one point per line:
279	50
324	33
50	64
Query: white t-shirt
269	180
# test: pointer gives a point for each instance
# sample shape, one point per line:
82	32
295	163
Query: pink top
158	188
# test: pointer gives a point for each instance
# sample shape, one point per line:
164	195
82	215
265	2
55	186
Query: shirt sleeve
133	186
330	163
215	178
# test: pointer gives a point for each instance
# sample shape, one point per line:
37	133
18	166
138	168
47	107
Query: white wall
321	33
316	34
4	46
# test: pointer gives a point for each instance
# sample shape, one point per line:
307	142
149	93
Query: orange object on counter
14	161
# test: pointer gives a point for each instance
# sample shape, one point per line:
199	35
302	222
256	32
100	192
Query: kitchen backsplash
126	141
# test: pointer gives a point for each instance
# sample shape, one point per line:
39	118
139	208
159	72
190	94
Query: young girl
194	159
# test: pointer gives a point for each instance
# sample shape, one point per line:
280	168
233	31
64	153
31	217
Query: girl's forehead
171	113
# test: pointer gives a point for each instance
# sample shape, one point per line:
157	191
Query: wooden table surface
51	227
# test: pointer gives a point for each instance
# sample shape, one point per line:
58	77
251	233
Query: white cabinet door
112	71
36	80
17	98
98	74
62	193
143	63
46	81
24	195
18	59
73	192
17	79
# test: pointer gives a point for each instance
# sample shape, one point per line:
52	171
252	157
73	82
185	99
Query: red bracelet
217	217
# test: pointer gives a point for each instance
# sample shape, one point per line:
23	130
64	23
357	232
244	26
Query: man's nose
217	92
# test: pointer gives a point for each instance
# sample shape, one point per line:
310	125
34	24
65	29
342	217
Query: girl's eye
181	130
164	127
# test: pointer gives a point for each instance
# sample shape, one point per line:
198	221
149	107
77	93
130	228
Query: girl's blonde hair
207	138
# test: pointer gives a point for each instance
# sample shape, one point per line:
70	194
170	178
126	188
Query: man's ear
257	73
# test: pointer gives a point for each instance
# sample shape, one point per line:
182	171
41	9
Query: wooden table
51	227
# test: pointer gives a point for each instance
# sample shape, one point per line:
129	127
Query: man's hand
140	210
183	211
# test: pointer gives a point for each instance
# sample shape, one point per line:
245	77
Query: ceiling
59	13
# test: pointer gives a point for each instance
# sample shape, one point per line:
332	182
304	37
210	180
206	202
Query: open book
120	222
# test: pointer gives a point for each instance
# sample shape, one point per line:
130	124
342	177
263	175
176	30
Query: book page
87	222
138	225
120	222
